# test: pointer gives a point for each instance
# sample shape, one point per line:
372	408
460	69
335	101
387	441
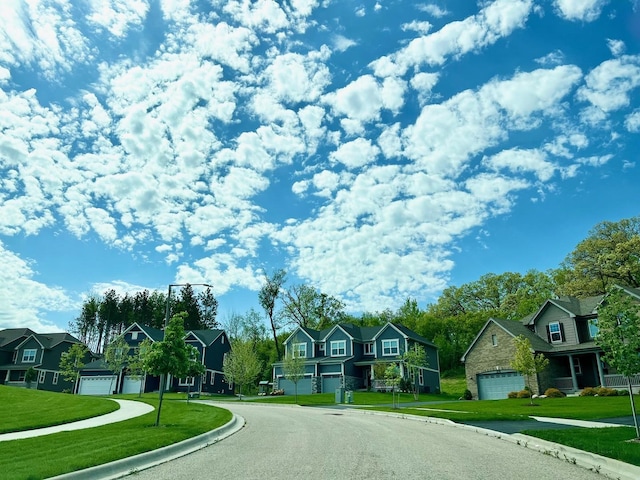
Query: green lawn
608	442
582	408
52	408
70	451
359	398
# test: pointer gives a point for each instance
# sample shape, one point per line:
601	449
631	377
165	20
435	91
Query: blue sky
374	150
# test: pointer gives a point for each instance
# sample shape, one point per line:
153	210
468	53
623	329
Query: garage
131	384
330	383
304	386
99	385
497	385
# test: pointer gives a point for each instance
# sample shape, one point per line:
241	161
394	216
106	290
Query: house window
300	350
55	378
368	348
421	377
555	332
15	355
213	378
134	335
593	328
494	340
390	347
41	376
576	366
339	348
186	382
29	355
321	347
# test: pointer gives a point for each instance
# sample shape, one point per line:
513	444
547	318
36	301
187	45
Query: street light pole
164	377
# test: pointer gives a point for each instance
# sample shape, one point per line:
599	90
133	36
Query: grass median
77	450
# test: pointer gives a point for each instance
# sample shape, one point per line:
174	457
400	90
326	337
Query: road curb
608	467
142	461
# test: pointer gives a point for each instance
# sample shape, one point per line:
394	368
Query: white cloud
517	160
632	122
433	10
417	26
617	47
609	85
118	16
356	154
342	43
580	10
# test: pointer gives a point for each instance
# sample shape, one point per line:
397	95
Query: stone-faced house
22	348
345	356
563	330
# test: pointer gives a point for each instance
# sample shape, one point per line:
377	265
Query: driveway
290	442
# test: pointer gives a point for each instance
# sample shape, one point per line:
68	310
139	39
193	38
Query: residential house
345	355
563	330
212	345
22	348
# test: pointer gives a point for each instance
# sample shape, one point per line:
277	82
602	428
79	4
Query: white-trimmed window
300	350
213	378
420	376
555	332
390	347
29	355
494	340
593	328
55	378
576	366
187	382
338	348
321	348
41	376
368	348
134	335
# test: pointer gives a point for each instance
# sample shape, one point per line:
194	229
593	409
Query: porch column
574	380
600	370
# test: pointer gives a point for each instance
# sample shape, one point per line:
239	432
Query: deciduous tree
619	337
527	362
241	365
293	367
414	359
116	356
267	297
71	362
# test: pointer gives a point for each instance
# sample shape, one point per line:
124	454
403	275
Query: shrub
524	393
622	393
607	392
589	392
512	395
554	393
467	395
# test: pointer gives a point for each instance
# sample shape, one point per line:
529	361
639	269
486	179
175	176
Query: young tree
171	356
137	362
526	362
30	375
392	377
72	362
116	356
619	337
414	360
241	365
267	297
294	366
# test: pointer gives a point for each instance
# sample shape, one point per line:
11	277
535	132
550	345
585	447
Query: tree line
609	255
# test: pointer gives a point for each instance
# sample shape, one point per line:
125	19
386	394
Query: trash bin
339	395
348	396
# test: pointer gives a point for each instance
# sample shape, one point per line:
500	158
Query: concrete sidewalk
128	409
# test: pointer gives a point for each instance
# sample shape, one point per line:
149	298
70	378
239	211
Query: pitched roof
207	336
575	307
9	335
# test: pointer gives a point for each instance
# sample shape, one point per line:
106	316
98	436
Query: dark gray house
212	345
345	355
563	330
22	348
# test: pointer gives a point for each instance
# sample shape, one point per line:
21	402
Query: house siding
554	314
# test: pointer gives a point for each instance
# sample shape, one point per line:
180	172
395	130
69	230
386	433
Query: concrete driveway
291	442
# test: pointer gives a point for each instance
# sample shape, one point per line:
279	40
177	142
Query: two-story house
345	355
22	348
564	330
212	345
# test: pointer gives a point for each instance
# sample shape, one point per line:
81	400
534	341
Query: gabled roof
513	328
207	337
574	307
154	334
50	340
9	335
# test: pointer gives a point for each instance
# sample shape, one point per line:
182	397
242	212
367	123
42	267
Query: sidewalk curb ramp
142	461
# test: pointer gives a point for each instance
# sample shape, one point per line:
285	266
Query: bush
589	392
467	395
622	393
554	393
524	393
512	395
606	392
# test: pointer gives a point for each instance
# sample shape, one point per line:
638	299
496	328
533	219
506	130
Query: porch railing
619	381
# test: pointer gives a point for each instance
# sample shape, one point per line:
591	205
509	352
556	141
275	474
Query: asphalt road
282	442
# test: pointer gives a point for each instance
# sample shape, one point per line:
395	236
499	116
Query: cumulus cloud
580	10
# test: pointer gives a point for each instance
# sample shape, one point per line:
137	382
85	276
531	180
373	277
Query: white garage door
131	384
496	386
97	385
